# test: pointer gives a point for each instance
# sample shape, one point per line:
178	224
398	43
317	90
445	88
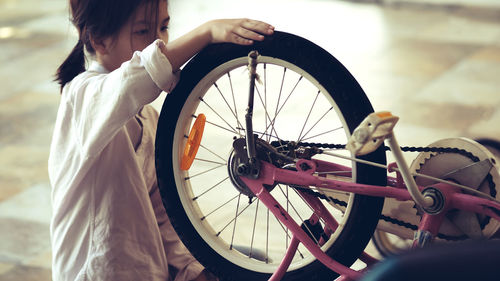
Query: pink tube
285	263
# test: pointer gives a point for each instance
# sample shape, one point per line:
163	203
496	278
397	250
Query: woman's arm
238	31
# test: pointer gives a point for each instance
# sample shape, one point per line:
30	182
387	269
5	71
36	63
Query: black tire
350	101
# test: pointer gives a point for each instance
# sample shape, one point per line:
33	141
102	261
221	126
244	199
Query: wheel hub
238	159
235	164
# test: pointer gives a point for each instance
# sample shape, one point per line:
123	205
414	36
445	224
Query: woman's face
136	35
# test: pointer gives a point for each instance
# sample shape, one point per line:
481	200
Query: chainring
450	166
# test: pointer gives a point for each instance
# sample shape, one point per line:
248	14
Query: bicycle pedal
371	133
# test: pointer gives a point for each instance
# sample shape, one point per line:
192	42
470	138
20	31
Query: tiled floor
437	68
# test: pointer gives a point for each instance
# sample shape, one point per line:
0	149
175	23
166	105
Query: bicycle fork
250	166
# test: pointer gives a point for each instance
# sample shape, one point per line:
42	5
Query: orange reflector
384	114
193	142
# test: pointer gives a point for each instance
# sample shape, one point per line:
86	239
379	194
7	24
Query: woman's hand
239	31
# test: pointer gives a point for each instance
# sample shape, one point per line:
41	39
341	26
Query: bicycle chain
403	148
386	148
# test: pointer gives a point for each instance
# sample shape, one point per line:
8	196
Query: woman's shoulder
75	88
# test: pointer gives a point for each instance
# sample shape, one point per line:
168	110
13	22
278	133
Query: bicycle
214	173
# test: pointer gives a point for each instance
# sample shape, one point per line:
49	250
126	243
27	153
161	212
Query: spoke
219	126
234	99
291	92
253	230
209	150
300	217
209	161
267	235
220	206
210	188
235	219
224	98
283	227
214	124
266	113
324	133
222	118
316	123
206	171
307	118
281	90
266	134
246	207
283	105
271	123
278	102
310	207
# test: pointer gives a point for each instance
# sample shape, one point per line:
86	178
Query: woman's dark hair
97	19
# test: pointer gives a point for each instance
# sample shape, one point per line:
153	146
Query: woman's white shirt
108	220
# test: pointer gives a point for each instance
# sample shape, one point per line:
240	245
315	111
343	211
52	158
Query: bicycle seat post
370	135
411	185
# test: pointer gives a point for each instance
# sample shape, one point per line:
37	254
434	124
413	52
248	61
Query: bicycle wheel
305	94
388	244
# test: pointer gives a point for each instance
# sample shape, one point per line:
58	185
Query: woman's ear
101	46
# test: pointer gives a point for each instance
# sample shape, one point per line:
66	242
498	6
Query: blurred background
434	63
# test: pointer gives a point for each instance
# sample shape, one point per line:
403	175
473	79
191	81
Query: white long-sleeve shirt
108	220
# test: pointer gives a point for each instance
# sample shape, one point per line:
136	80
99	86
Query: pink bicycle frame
427	229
